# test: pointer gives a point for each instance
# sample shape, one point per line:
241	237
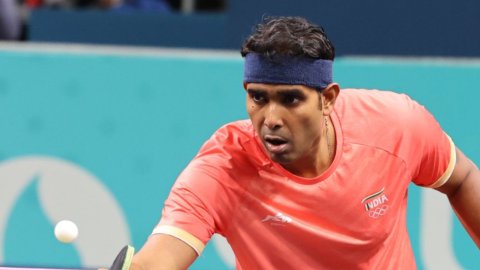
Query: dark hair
289	36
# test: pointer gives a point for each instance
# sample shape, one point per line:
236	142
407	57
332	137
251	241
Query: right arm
192	213
163	252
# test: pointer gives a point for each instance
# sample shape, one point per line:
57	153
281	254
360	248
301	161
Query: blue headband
315	73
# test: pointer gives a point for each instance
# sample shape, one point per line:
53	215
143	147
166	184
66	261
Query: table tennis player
317	177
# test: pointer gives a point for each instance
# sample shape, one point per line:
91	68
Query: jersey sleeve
432	152
189	211
194	209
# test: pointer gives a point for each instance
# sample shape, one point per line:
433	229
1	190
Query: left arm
463	192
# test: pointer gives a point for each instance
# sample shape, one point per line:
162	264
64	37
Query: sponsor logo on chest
278	220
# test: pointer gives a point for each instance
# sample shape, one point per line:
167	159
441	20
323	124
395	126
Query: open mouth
275	141
275	144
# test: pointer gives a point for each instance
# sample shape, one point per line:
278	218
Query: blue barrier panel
100	138
409	27
128	28
370	27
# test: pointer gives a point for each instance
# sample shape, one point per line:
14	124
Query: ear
329	96
245	85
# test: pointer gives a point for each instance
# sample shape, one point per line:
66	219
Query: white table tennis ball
66	231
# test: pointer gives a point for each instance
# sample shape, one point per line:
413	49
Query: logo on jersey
278	220
376	204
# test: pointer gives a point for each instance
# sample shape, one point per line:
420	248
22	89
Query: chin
283	159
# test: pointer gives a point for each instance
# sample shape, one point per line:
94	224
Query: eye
257	97
291	99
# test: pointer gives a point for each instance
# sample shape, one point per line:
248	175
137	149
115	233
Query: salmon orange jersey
353	216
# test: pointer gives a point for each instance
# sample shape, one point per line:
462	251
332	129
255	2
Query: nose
273	121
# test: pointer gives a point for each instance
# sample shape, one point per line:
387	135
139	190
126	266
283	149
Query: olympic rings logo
377	212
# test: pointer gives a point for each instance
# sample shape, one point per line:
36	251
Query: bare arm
463	191
163	252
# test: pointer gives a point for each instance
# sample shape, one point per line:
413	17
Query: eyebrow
288	92
256	91
282	92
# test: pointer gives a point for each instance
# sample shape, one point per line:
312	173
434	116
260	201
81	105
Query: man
318	177
10	20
